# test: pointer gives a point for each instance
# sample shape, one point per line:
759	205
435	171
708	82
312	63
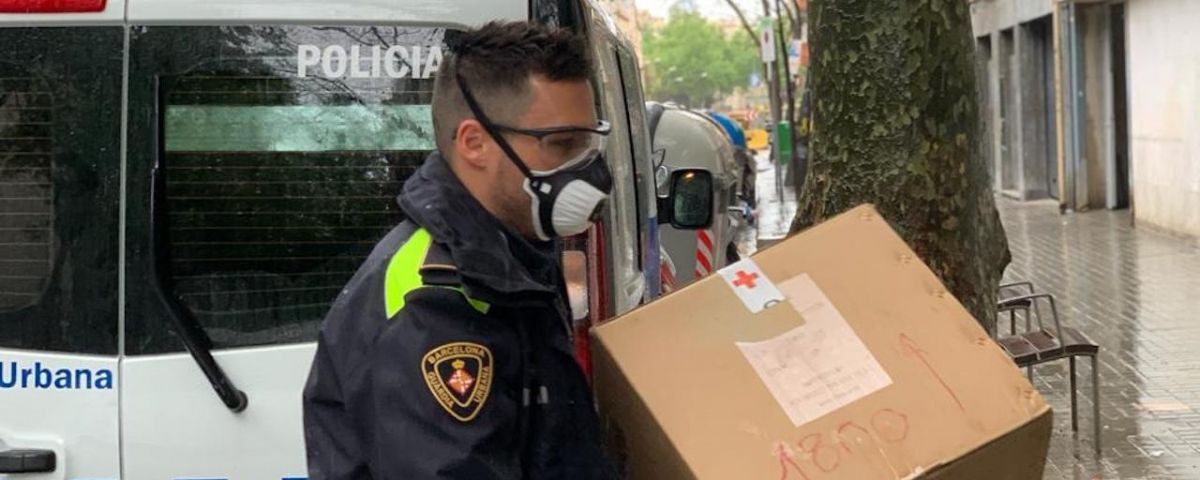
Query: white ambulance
185	185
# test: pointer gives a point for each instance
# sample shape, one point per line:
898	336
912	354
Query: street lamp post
769	57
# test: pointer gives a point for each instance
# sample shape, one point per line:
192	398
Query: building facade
1164	112
1092	102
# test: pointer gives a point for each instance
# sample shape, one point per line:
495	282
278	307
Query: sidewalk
775	213
1137	293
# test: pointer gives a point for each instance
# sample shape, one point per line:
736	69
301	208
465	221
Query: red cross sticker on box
743	279
751	285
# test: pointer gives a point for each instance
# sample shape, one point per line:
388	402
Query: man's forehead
571	101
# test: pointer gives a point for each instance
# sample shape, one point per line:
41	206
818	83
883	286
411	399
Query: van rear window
282	151
59	188
273	207
26	190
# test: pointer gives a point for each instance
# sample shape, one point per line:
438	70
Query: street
774	212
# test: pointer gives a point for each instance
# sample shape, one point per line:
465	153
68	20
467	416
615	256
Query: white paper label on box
818	367
750	284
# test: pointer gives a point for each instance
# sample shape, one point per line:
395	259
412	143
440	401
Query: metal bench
1042	345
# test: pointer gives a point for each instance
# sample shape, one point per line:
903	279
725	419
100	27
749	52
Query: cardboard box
857	365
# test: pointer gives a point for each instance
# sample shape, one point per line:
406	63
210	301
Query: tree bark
896	124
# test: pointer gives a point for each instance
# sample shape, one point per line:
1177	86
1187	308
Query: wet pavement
1136	292
775	211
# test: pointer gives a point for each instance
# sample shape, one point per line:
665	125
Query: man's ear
473	144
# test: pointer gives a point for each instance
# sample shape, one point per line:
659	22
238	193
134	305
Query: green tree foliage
690	61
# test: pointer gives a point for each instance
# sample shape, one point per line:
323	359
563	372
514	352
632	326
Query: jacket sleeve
331	443
445	391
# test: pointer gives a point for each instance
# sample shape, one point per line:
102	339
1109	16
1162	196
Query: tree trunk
896	124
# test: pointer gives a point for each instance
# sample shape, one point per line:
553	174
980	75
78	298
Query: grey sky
708	8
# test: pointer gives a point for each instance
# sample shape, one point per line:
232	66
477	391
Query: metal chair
1013	304
1043	345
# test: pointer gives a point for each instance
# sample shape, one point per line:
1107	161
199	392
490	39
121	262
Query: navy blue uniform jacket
447	356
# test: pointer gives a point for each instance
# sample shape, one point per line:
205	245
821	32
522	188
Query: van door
624	221
60	123
264	166
643	168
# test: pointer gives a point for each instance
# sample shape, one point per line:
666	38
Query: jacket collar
496	264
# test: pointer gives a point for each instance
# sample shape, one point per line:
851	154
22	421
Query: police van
186	185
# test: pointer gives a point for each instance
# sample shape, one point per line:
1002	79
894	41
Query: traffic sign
766	39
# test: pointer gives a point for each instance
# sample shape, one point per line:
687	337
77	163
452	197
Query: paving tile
1136	292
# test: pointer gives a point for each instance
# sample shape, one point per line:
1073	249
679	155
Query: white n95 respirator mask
566	202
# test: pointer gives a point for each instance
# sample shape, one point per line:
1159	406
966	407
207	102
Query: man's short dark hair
497	61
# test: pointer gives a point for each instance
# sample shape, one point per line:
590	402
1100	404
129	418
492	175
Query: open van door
60	111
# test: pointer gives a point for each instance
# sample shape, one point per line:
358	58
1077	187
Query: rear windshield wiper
195	339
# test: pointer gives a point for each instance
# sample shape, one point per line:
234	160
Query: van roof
460	13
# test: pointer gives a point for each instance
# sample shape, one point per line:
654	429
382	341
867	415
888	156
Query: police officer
447	355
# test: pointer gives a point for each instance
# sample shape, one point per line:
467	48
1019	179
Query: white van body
228	163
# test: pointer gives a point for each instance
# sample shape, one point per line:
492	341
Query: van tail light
52	6
598	274
592	245
575	272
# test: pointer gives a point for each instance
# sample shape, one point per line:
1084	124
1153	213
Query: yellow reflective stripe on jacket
404	274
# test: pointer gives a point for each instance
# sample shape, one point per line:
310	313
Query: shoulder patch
459	376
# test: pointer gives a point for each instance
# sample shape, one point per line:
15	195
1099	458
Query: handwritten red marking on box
910	347
887	423
786	460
